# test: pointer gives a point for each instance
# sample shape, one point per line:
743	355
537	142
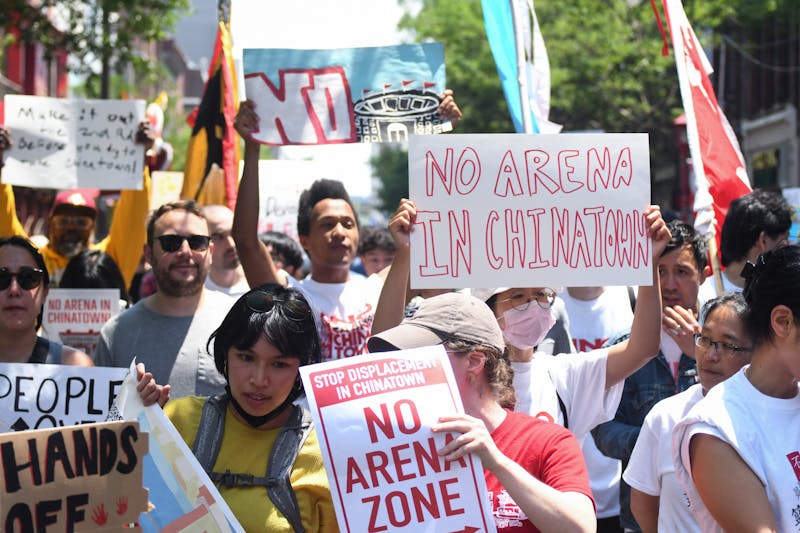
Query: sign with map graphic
181	496
345	95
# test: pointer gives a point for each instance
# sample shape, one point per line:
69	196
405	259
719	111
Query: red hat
80	199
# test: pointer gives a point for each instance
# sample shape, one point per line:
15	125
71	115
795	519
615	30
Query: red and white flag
720	175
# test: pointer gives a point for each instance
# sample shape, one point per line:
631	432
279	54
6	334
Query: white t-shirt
708	289
343	311
650	469
580	381
592	323
764	431
234	290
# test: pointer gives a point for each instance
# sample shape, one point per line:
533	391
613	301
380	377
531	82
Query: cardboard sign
75	316
77	478
334	96
182	497
44	396
282	182
64	143
373	414
509	210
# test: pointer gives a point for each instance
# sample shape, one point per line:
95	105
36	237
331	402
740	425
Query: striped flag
720	174
212	156
522	64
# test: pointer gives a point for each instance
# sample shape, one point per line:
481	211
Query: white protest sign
75	316
509	210
282	182
373	414
64	143
42	396
182	497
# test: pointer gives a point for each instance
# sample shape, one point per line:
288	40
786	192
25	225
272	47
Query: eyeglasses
262	302
173	243
722	348
28	278
63	221
544	298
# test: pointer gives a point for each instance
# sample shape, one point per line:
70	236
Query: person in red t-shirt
534	470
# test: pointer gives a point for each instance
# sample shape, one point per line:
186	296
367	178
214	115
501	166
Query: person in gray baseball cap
534	470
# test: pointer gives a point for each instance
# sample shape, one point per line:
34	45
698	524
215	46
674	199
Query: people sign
529	210
373	414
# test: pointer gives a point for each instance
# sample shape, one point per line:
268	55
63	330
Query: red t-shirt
548	451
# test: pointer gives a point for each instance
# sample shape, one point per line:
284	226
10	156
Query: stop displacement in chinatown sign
374	414
498	210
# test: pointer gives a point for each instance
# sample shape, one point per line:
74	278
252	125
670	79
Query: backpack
279	466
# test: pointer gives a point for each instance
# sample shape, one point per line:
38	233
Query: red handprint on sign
99	515
122	505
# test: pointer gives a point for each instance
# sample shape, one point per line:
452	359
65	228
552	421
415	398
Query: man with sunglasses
168	330
73	218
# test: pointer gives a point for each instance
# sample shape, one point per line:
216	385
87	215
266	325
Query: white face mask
526	329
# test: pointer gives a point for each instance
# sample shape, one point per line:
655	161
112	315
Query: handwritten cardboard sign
77	478
43	396
65	143
166	187
373	414
75	316
182	497
334	96
508	210
282	182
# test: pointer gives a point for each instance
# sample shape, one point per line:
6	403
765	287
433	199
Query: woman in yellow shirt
260	345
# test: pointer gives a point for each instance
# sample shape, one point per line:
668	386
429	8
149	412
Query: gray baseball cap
442	318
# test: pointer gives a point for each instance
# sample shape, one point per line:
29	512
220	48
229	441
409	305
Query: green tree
391	166
100	36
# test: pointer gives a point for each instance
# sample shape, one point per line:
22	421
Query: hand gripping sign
373	414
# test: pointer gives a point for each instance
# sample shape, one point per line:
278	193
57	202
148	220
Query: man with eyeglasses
226	274
73	217
683	266
168	330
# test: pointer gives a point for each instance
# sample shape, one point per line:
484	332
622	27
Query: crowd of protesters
649	409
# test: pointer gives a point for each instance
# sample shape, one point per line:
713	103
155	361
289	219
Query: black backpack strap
40	350
281	460
209	434
563	410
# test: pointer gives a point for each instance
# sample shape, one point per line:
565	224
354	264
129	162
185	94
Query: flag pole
716	266
522	69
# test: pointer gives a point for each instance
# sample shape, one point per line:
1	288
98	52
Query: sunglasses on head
28	278
173	243
261	302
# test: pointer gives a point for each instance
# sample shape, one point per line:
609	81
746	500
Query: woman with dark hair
93	269
24	283
259	347
740	445
722	347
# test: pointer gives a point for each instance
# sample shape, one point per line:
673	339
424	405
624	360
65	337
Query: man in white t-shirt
595	315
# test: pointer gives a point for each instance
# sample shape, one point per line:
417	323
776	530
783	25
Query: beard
70	245
179	287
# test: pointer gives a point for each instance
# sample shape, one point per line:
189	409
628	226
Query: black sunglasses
262	302
28	278
173	243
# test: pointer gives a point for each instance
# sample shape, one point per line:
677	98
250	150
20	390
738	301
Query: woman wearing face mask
578	391
260	345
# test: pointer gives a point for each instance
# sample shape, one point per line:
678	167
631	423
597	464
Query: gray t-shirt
173	349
